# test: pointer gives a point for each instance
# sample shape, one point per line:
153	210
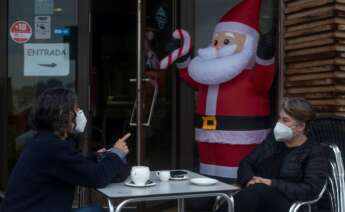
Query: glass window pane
42	53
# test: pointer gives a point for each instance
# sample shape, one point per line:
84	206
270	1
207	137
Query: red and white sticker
21	31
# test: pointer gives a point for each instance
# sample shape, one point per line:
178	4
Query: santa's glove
266	46
173	45
178	50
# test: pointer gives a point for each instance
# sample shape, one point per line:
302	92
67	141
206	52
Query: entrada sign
46	59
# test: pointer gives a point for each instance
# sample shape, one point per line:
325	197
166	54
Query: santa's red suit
237	115
232	116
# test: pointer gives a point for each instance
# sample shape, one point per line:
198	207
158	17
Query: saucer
203	181
185	177
132	184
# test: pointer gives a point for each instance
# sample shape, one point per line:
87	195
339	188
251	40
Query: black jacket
302	173
48	170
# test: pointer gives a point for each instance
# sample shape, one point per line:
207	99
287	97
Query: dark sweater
270	167
48	170
302	172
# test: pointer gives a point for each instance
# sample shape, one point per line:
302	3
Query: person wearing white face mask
287	167
80	121
49	168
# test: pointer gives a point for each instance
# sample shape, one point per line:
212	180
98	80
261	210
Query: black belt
232	122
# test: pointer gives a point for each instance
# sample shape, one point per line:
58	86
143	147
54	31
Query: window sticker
20	31
46	59
42	27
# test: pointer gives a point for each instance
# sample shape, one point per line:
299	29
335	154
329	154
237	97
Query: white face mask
80	121
282	132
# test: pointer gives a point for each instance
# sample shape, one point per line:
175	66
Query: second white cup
163	175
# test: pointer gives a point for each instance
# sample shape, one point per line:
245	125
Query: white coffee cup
163	175
140	175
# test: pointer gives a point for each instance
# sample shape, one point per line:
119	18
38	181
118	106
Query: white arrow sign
46	59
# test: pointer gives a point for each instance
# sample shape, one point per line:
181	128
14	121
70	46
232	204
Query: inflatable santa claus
233	77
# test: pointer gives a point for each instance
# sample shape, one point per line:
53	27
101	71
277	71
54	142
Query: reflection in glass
30	64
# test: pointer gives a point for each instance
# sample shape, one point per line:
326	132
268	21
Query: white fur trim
211	100
264	62
231	137
231	26
220	171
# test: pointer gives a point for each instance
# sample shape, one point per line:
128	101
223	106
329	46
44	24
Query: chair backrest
335	181
329	129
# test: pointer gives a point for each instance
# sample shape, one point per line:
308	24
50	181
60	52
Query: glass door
43	40
160	134
118	28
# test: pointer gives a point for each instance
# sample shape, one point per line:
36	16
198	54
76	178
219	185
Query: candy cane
177	53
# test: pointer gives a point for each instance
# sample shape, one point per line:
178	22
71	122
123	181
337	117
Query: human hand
253	181
264	180
121	144
103	150
257	179
250	183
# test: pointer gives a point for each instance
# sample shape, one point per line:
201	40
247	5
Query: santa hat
243	18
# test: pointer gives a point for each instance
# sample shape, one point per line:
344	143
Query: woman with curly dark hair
49	167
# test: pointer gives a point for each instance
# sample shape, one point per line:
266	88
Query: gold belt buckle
209	122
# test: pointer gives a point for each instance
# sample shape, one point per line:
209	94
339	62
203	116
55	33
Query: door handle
154	98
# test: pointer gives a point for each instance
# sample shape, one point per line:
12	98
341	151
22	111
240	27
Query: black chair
333	185
329	130
297	205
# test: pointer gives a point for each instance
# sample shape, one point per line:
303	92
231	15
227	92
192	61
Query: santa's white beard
213	67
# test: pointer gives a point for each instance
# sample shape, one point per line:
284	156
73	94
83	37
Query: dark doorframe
186	155
84	64
174	98
280	52
3	93
83	79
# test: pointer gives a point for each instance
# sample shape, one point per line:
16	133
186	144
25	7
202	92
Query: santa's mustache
211	52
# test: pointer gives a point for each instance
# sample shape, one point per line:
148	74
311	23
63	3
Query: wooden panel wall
314	49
